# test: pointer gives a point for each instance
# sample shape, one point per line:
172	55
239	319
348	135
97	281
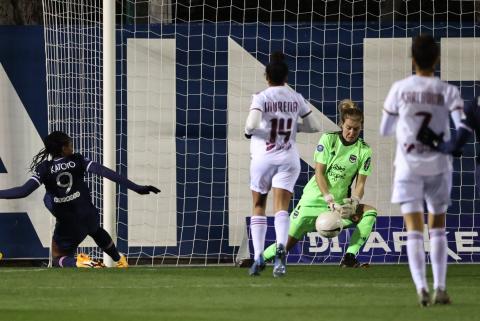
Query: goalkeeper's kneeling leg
349	260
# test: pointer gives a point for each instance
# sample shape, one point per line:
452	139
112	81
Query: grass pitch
229	294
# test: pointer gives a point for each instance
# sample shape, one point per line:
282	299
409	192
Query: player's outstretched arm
103	171
454	146
20	191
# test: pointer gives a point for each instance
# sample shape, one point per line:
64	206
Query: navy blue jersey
472	113
67	192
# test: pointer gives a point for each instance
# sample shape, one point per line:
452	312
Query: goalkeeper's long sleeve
362	231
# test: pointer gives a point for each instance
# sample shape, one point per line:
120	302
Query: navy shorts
71	230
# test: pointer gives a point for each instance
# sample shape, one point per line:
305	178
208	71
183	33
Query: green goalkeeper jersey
343	162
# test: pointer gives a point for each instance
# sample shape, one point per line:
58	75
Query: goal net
185	73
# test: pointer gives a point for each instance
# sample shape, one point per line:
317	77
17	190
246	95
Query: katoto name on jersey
61	166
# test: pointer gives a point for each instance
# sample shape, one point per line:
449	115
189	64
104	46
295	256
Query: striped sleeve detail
88	166
36	179
389	112
303	116
456	108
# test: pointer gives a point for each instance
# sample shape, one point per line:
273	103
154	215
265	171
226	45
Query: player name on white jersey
281	106
416	97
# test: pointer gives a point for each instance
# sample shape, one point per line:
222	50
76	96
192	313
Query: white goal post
109	120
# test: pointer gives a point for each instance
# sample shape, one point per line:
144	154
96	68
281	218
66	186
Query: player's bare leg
258	229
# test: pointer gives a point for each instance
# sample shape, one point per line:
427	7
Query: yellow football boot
84	261
122	263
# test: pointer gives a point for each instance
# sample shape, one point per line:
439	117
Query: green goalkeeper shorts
303	218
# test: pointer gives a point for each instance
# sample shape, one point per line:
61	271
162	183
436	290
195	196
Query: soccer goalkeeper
339	159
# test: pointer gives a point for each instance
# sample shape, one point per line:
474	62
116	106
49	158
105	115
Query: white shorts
412	188
274	171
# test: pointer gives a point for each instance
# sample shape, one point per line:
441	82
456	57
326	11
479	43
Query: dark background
29	12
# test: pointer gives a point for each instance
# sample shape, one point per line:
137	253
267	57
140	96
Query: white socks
416	259
258	228
282	225
438	257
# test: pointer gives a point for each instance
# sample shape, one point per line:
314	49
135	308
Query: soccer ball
329	224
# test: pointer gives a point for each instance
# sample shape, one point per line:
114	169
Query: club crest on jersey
366	166
352	158
296	212
320	148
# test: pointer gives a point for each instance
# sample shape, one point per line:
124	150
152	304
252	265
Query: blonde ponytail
349	109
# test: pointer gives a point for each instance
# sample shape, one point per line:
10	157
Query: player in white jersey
275	162
421	173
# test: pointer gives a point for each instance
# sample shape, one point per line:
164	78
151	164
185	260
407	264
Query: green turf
228	294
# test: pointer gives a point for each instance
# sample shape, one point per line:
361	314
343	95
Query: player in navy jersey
68	198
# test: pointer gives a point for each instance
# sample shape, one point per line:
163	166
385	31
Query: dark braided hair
54	144
277	70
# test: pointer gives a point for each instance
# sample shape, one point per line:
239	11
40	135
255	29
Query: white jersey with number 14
280	107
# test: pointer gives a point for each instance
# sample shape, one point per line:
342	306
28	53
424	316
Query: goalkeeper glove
331	202
349	207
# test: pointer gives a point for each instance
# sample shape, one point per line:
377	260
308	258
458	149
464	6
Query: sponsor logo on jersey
338	167
366	166
320	148
352	158
67	198
336	173
61	166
